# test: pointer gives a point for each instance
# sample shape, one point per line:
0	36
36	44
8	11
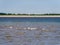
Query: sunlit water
18	33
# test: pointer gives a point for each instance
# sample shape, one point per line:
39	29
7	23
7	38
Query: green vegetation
29	14
2	13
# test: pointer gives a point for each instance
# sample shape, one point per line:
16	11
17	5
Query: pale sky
30	6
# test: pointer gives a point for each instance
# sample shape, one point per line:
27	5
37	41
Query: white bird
10	27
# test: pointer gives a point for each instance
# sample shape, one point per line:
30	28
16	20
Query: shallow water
29	31
17	33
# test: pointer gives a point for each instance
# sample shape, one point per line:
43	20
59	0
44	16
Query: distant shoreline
26	16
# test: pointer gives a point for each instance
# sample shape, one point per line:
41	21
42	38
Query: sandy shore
28	16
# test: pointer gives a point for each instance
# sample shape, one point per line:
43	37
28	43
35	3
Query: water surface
16	31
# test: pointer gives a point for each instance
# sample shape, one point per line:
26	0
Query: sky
30	6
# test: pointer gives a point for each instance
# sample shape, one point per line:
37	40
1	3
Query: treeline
2	13
51	14
26	14
12	14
